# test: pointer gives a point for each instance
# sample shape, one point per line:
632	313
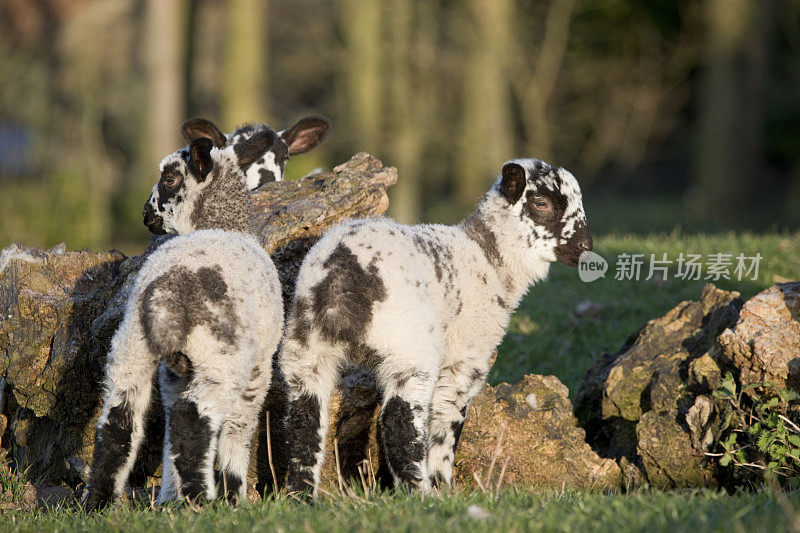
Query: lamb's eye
170	180
541	203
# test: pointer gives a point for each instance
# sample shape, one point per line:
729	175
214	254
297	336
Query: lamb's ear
253	148
306	133
196	128
200	162
512	184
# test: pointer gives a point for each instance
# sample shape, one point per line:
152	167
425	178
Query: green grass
521	510
546	338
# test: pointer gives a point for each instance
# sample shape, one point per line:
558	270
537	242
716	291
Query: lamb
207	305
304	135
423	307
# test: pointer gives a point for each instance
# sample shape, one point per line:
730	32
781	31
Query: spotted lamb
423	307
306	133
206	308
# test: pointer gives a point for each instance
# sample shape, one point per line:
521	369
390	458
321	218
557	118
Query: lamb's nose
148	215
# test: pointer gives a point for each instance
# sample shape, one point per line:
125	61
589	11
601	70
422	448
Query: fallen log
651	406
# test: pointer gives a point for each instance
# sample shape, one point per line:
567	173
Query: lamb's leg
171	385
193	437
120	429
403	420
233	453
236	435
194	426
311	374
456	387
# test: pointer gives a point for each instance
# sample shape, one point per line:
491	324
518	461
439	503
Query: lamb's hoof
93	500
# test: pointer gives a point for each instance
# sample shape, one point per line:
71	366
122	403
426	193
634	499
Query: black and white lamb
423	307
304	135
206	308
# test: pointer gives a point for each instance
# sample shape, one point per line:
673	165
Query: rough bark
51	362
650	407
765	342
633	404
530	434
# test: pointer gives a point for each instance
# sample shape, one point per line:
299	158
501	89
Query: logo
591	266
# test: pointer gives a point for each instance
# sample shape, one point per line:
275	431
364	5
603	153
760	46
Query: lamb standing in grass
424	307
304	135
208	304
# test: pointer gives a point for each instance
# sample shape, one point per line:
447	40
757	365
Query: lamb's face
304	135
548	202
187	173
168	210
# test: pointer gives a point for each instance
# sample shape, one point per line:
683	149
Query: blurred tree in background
670	112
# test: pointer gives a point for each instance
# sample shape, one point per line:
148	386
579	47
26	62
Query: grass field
523	510
545	337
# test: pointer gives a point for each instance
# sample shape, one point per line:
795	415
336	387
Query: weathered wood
291	210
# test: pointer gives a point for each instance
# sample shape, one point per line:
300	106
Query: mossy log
651	406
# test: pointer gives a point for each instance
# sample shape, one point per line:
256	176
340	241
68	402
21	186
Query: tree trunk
535	91
485	141
164	38
731	118
411	60
361	25
244	83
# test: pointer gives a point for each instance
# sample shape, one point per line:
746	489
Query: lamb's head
202	187
547	205
304	135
